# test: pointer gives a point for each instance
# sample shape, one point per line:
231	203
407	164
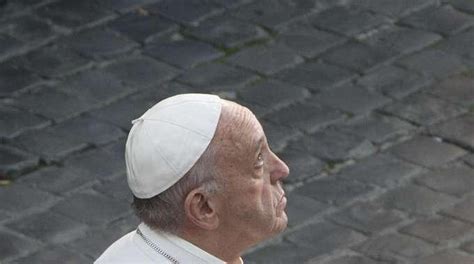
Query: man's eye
260	159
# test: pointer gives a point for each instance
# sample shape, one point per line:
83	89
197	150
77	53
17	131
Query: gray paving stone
301	208
267	59
214	77
281	253
469	246
89	130
354	259
28	29
123	111
460	44
368	217
333	191
124	6
278	135
141	72
457	89
13	161
463	210
391	247
57	180
72	14
95	243
324	237
306	116
51	103
448	256
53	255
21	199
8	44
13	245
54	61
351	98
98	164
273	14
334	145
227	32
416	200
183	53
231	3
270	95
433	63
316	76
423	109
469	159
463	5
445	20
143	26
49	227
185	11
378	128
99	43
96	86
116	149
401	40
380	169
14	121
116	188
49	144
395	9
392	81
306	40
437	230
357	56
14	79
302	165
427	151
4	216
100	209
457	130
10	9
348	21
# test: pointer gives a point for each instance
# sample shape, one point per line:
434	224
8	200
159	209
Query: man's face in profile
252	200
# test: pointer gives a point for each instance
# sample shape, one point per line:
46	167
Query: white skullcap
167	140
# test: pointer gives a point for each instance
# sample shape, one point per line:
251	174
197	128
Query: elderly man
205	183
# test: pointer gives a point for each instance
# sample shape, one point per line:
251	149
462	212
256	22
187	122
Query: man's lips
281	204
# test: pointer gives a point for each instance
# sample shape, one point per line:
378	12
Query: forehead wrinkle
235	139
235	120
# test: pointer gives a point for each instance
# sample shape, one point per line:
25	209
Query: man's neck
214	244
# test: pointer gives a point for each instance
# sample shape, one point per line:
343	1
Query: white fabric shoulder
178	248
127	251
132	248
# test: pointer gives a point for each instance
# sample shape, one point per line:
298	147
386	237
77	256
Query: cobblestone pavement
370	102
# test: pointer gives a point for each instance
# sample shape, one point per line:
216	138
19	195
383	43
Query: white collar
178	248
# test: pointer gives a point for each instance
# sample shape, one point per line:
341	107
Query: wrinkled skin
251	199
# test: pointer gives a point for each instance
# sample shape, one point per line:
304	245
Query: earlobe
201	210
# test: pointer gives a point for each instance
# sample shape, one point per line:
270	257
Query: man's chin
282	223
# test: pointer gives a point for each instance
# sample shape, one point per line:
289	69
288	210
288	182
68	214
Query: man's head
251	201
233	189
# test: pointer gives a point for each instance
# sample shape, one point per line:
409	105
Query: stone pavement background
370	102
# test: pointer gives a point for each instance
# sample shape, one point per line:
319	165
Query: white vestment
132	248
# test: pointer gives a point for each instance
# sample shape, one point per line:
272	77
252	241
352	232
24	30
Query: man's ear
200	209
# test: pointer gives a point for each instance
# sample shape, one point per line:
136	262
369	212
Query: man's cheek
257	189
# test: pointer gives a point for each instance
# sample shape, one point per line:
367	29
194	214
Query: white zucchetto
167	140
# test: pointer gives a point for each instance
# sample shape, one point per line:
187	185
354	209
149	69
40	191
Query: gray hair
165	211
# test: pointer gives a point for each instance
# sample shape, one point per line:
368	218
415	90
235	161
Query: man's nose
279	170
